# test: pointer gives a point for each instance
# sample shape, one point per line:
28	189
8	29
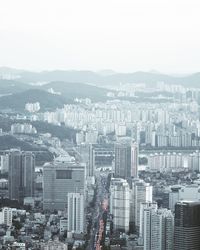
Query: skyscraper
134	159
76	212
28	163
183	193
120	203
91	165
143	206
59	179
86	154
4	163
158	229
21	174
187	225
126	159
141	192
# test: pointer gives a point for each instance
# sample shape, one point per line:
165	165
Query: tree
17	224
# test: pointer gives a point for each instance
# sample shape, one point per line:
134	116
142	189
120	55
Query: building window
63	174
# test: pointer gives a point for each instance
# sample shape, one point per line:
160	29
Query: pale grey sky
123	35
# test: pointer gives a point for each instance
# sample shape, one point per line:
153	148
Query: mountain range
53	89
105	77
14	95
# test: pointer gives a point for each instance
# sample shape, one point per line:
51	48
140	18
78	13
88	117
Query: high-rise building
120	203
143	206
76	212
126	159
135	133
4	163
91	136
21	175
165	162
194	161
141	192
91	166
6	216
59	179
158	229
87	156
179	193
148	133
96	156
187	225
28	166
174	196
134	159
148	212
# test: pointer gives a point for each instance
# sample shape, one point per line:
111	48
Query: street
100	210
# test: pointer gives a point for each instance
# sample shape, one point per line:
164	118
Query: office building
59	179
126	159
76	212
85	154
21	175
100	155
179	193
187	225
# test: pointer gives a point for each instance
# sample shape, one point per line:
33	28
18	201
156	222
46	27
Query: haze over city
122	35
99	125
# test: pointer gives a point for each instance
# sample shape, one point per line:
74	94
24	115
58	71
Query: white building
120	129
194	161
156	162
6	216
91	136
76	212
141	192
19	246
134	159
158	229
80	137
165	162
143	206
120	203
25	128
32	107
4	163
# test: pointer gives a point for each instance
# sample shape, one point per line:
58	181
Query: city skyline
100	125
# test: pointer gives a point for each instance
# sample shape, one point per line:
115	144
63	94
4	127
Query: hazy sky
123	35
